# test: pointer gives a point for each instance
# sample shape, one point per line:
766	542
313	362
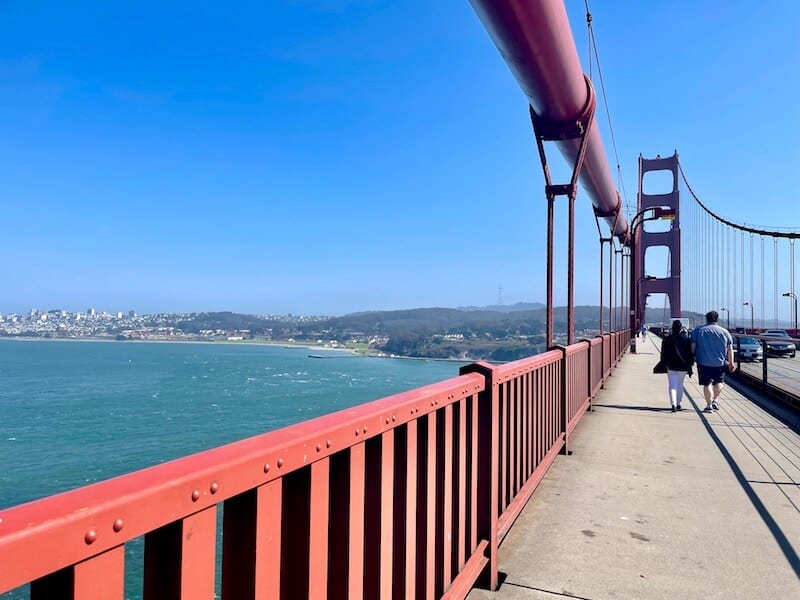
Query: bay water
77	412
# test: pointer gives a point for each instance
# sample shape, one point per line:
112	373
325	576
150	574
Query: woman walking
676	355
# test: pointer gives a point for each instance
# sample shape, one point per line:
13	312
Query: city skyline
339	156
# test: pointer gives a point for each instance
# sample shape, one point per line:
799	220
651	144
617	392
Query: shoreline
281	344
287	345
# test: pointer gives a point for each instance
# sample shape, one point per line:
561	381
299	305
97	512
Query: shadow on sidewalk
628	407
783	542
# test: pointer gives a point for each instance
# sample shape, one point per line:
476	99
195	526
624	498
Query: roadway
655	504
782	372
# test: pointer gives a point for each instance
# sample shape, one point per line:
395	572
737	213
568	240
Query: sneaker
679	407
714	405
673	408
708	409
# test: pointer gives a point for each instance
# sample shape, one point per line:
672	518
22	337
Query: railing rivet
280	463
319	447
328	444
365	430
118	525
357	432
266	468
90	536
214	487
394	418
195	495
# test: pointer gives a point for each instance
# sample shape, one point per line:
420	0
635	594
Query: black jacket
676	353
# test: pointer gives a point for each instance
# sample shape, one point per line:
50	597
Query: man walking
712	346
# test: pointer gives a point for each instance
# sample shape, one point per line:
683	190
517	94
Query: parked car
748	348
778	347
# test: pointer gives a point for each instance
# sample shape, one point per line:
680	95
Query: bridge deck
660	505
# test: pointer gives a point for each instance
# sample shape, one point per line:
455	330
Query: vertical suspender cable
775	279
734	256
704	255
752	289
693	254
741	267
705	260
763	301
791	280
717	277
728	268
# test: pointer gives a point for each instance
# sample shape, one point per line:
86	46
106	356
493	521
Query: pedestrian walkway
655	504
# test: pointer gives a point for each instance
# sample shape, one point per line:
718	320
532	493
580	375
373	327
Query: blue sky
334	156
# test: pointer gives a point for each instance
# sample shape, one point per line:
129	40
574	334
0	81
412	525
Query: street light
656	213
793	296
728	314
750	304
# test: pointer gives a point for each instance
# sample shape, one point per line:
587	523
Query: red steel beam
535	40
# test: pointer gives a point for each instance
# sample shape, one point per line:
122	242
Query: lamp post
638	219
727	314
750	304
793	296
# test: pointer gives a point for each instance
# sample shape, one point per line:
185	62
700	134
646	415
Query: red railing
404	497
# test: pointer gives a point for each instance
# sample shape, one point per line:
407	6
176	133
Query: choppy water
72	413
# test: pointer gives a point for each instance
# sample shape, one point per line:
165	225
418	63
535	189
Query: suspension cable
593	48
790	234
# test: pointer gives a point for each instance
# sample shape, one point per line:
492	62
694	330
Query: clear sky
332	156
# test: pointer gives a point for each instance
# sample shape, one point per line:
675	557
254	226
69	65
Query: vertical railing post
588	373
563	397
488	467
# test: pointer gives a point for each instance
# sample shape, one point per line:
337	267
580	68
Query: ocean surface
73	413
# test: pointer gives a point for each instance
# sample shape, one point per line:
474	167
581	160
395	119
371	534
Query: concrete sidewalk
655	504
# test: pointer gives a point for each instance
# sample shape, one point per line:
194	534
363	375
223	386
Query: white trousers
675	381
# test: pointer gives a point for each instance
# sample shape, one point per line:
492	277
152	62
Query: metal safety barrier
775	369
404	497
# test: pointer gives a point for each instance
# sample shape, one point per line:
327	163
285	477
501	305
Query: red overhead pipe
535	39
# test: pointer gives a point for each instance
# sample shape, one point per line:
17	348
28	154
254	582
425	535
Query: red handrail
412	492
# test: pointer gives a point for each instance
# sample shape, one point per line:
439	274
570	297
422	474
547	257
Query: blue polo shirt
712	343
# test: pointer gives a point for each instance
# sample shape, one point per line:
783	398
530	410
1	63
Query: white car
748	348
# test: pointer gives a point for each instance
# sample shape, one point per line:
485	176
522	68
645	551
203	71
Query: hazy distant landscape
497	332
